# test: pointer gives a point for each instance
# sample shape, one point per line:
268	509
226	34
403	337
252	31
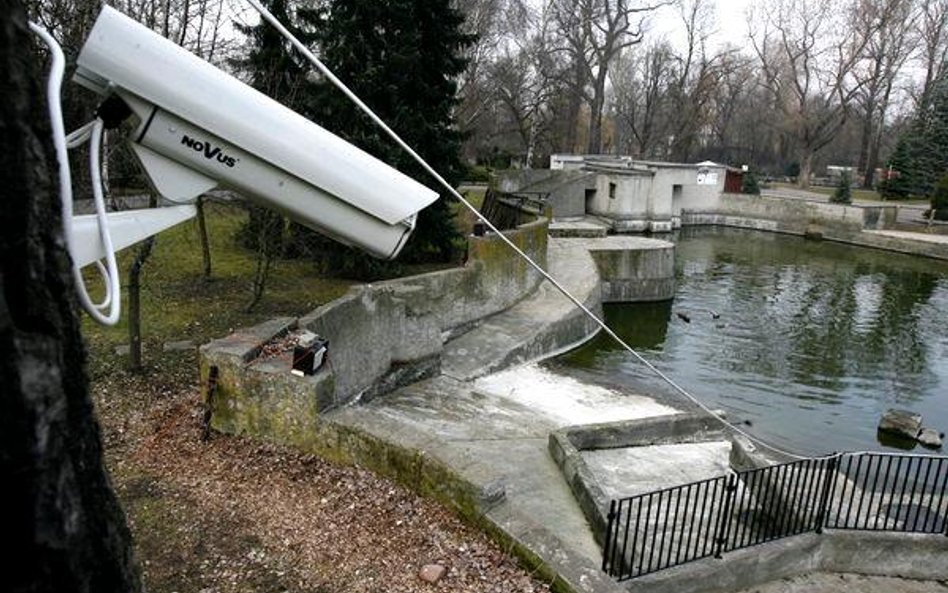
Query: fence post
606	548
829	481
724	521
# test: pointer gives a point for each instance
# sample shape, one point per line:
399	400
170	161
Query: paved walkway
923	237
822	582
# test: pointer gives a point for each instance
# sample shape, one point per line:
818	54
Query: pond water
813	340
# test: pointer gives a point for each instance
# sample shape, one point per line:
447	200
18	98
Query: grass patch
178	303
859	195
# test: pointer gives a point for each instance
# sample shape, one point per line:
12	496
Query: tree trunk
574	106
595	115
873	163
806	168
865	143
269	241
63	527
205	243
135	359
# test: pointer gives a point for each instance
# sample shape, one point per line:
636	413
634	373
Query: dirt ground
236	515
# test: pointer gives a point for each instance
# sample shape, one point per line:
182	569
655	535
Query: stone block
901	423
930	437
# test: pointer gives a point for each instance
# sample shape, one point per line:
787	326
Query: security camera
200	128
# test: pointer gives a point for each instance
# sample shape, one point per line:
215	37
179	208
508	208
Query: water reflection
814	340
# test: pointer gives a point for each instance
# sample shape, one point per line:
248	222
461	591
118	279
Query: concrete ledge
866	226
912	556
565	446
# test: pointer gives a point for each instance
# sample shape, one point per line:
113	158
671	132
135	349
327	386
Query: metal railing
509	210
861	491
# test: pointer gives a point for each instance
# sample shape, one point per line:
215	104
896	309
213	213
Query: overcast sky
729	16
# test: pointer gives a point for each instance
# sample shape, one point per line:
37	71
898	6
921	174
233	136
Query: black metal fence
865	491
509	210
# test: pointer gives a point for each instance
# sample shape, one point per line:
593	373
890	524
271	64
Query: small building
636	196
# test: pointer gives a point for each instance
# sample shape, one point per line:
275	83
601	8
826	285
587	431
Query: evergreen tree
274	67
278	71
402	57
749	183
844	190
940	199
921	155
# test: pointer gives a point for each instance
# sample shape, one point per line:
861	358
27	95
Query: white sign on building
707	177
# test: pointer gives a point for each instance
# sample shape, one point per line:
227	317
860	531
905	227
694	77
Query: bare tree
698	74
932	30
641	82
807	50
887	26
594	33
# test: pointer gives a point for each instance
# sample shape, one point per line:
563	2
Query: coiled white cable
93	133
267	16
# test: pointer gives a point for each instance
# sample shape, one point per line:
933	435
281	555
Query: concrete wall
566	189
633	274
565	446
395	323
699	197
381	336
645	198
628	211
832	221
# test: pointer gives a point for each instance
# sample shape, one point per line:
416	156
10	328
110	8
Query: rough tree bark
63	527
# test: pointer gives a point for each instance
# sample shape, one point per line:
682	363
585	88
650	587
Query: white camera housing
201	128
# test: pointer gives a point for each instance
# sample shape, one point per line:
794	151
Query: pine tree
940	199
921	155
275	68
749	183
402	57
844	191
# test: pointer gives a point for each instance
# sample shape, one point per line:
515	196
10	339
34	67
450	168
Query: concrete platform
637	470
494	433
582	227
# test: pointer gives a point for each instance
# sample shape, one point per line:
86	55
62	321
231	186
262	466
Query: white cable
266	15
53	87
112	281
78	137
93	132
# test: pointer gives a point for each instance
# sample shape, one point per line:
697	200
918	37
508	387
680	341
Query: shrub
940	198
749	185
844	192
478	174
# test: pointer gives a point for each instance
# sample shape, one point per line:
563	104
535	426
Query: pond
806	343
